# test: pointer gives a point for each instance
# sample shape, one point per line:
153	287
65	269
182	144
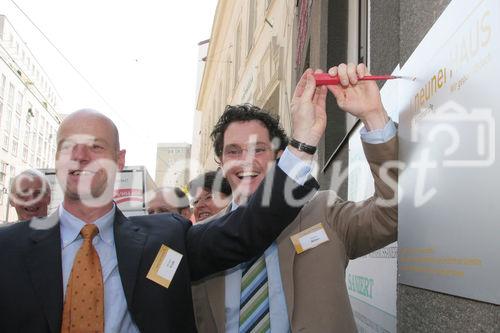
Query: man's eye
66	146
97	147
233	152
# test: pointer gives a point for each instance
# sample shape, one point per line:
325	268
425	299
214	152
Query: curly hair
247	112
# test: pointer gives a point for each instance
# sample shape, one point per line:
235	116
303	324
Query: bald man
30	194
170	200
88	268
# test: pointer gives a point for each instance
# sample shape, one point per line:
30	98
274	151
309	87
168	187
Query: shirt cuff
294	167
379	135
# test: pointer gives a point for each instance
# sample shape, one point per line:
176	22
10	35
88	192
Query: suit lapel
43	261
286	254
129	243
215	287
216	292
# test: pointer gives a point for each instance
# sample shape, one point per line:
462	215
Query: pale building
195	167
172	164
28	117
249	61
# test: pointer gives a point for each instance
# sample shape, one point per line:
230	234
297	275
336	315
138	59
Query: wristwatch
301	146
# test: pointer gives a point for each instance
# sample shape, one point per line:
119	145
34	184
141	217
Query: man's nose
80	152
247	154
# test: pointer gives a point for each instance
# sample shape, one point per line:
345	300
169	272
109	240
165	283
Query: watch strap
301	146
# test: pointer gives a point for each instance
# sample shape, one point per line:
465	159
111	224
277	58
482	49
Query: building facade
172	164
250	60
28	117
195	167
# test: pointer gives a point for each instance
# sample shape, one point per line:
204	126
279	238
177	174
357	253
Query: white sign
129	190
448	216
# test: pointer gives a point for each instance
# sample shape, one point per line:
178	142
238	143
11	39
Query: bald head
88	157
30	194
30	174
170	200
83	122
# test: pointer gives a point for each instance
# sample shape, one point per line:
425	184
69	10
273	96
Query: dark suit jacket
31	290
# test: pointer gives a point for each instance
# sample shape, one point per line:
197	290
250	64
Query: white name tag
164	267
309	238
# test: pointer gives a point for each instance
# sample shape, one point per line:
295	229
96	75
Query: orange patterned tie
84	304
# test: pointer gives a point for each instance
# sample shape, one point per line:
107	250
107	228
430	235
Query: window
39	151
33	140
35	115
10	97
252	22
14	148
27	131
5	142
2	85
12	171
1	111
30	113
17	125
25	153
3	171
8	122
19	104
237	50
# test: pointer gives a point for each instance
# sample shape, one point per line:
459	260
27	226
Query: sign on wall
449	226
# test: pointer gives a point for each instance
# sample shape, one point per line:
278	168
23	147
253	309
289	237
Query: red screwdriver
325	79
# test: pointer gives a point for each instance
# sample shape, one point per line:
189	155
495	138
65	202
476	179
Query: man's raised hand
359	98
308	109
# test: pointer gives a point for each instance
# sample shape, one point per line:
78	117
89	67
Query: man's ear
46	198
220	166
121	159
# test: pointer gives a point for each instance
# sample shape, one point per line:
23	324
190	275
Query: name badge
164	267
309	238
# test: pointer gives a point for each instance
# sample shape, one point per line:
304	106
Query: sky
140	56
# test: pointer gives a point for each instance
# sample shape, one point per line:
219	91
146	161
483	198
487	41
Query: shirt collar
234	205
71	226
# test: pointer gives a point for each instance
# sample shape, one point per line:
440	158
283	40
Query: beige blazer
314	281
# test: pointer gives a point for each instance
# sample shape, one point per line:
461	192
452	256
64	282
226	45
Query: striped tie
254	299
